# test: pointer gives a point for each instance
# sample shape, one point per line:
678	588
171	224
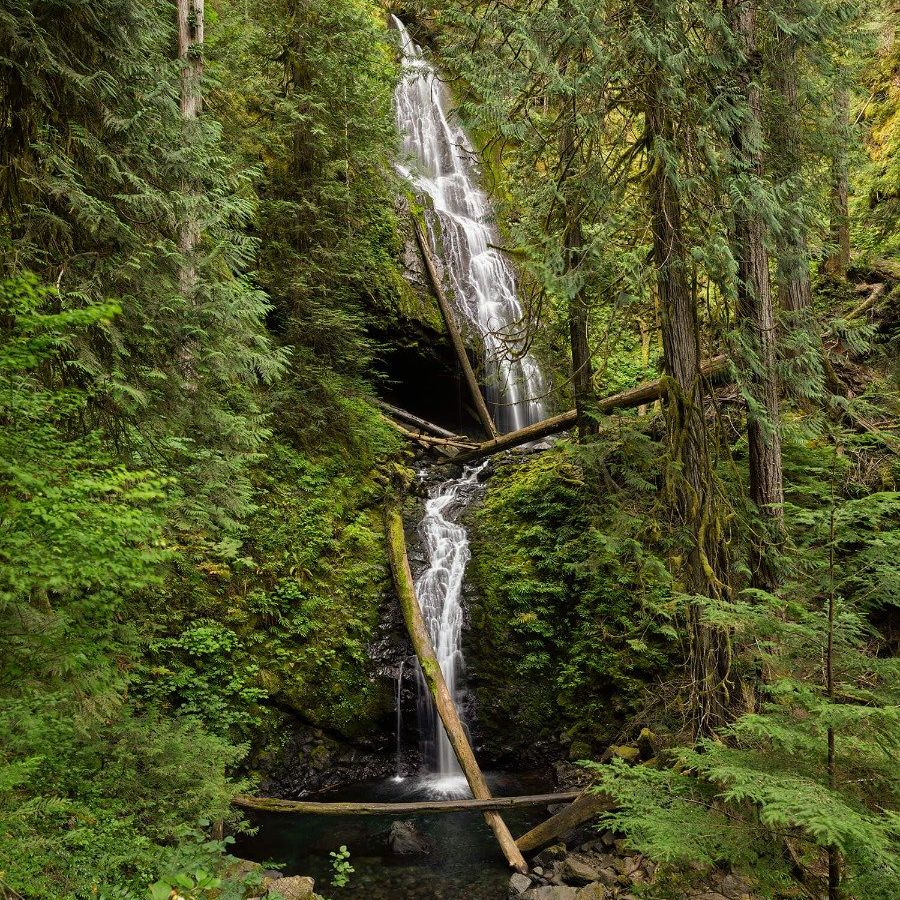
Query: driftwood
636	396
458	344
397	413
586	806
447	446
434	678
341	808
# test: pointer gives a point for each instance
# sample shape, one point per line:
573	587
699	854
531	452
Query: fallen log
428	440
586	806
341	808
636	396
434	678
458	344
404	416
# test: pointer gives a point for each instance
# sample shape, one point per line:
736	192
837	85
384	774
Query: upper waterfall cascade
442	163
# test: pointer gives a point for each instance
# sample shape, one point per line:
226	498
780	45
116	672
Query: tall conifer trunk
794	292
754	298
190	42
702	569
838	261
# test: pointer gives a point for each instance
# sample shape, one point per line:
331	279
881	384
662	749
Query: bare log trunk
343	808
643	394
754	305
434	678
588	805
458	344
408	417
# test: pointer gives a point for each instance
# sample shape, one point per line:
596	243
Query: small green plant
340	866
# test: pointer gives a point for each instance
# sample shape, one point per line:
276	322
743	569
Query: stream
441	165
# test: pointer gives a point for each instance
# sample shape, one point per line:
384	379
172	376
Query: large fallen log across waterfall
586	806
434	678
458	343
637	396
342	808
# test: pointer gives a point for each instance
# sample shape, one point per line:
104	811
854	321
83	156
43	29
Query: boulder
628	753
405	839
551	892
578	869
518	884
550	855
648	744
593	891
297	887
735	887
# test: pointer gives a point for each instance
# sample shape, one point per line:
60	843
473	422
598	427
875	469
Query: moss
562	635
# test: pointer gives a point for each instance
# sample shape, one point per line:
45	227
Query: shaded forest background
202	260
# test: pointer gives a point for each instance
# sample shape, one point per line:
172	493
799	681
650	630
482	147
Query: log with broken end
588	805
342	808
437	686
458	344
637	396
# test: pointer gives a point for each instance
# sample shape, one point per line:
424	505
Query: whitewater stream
441	164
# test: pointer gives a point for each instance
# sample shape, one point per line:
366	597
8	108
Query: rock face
405	839
298	887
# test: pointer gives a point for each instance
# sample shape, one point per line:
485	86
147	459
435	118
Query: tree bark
588	805
691	471
455	336
754	302
190	43
647	392
794	290
838	261
434	678
343	808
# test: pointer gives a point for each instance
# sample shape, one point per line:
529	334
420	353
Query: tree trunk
455	336
691	471
754	303
344	808
434	678
573	242
643	394
190	43
838	261
794	290
588	805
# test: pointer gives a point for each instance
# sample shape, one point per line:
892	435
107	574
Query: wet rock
578	869
551	854
594	891
297	887
518	884
736	888
405	839
551	892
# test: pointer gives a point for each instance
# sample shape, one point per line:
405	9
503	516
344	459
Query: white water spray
461	233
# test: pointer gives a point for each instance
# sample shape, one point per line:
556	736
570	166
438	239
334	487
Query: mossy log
341	808
458	344
443	701
586	806
448	446
637	396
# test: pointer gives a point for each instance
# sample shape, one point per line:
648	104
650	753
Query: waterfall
442	165
398	774
439	591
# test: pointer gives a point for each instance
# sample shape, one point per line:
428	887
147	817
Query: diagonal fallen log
647	392
458	344
404	416
341	808
447	446
434	678
586	806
